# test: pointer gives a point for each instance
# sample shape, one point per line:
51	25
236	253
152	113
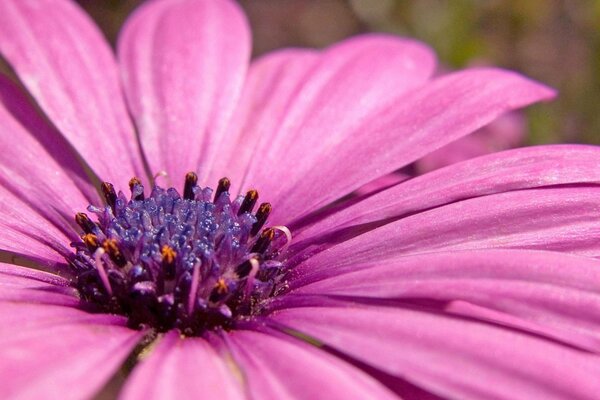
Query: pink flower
472	281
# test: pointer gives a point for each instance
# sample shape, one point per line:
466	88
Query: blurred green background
554	41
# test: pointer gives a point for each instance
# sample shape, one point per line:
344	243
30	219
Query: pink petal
560	293
350	83
182	368
285	368
562	219
183	65
37	167
33	131
66	64
272	84
453	358
517	169
421	121
46	349
27	234
19	284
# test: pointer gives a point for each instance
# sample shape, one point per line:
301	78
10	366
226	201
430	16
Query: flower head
454	284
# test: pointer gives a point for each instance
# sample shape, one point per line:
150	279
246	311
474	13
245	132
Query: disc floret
192	262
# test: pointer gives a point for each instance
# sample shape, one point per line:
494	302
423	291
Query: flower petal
351	82
517	169
182	368
66	64
272	84
183	65
451	357
19	284
27	234
561	219
45	349
421	121
285	368
37	167
559	293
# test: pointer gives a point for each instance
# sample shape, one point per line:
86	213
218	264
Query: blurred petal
183	65
285	368
66	64
451	357
559	293
182	368
420	122
47	348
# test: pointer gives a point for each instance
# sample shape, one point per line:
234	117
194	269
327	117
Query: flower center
192	262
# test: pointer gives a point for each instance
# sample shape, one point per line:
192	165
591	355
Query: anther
222	187
249	202
134	185
244	268
263	241
85	222
261	217
91	241
112	249
168	261
219	290
109	194
191	179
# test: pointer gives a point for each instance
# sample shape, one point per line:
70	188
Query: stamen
101	271
194	287
261	217
172	261
249	202
218	291
190	183
85	223
91	241
168	261
263	241
111	248
244	268
288	235
222	187
135	185
109	194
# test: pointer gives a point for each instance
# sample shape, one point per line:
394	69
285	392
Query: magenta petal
272	84
46	349
451	357
557	291
523	168
41	170
66	64
421	121
20	284
182	368
285	368
349	84
28	234
561	219
183	65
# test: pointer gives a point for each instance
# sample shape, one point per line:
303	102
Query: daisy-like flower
468	282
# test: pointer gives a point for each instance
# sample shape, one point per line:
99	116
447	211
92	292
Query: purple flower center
192	262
